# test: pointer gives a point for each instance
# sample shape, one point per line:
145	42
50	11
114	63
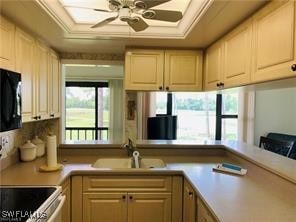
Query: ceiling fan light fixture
124	14
140	4
148	14
133	20
115	3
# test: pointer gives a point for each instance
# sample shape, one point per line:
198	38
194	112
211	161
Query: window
196	115
199	116
87	110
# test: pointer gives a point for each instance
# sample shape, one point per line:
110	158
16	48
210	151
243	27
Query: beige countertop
257	196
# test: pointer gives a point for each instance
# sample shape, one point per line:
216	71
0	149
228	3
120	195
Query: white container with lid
40	146
28	151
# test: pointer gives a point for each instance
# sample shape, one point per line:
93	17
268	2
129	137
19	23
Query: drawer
127	183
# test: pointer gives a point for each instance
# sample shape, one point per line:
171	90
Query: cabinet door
274	42
7	56
183	70
213	66
203	213
189	203
237	56
144	70
66	211
24	45
55	85
105	207
147	207
42	81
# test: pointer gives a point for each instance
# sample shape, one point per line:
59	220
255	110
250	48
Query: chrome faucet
130	148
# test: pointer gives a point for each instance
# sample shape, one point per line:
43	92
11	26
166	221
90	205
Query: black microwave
10	100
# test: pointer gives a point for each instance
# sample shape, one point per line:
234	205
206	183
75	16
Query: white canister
40	146
28	151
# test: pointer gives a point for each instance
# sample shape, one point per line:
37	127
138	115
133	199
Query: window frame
95	85
219	115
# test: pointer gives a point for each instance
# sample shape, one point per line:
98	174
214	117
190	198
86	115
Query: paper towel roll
51	151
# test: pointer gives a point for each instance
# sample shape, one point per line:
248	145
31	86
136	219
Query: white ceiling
220	17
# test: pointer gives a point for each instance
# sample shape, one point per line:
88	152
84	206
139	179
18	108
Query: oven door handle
58	209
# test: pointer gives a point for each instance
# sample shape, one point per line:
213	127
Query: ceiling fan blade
138	25
104	22
82	7
166	15
146	4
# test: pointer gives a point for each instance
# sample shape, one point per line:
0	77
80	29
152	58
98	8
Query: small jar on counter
40	146
28	151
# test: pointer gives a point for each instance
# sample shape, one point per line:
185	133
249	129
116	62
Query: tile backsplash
15	138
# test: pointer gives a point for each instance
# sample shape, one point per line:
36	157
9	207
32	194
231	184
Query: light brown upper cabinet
144	70
24	60
213	66
54	85
237	56
183	70
170	70
7	51
274	51
42	80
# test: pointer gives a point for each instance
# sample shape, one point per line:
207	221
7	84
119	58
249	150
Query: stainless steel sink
127	163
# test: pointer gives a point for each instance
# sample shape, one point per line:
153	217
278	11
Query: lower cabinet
66	211
189	203
131	207
131	198
203	213
111	207
194	209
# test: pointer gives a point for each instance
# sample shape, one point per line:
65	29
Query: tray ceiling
77	21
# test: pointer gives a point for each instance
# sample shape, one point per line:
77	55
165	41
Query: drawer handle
293	67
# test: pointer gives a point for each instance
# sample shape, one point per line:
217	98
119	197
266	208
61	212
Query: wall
275	112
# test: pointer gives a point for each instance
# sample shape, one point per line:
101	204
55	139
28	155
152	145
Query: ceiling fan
142	8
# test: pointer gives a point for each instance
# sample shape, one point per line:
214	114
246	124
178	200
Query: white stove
31	203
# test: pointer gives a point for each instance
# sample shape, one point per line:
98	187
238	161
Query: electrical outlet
4	145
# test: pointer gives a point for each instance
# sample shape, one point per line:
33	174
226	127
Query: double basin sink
128	163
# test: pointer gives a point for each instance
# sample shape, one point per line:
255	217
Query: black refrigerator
162	127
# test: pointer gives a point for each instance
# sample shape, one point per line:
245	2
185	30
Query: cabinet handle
160	88
218	84
167	88
123	197
35	117
131	197
39	117
293	67
52	115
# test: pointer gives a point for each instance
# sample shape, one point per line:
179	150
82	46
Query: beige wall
275	111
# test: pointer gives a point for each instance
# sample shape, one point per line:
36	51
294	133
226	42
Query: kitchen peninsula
225	197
